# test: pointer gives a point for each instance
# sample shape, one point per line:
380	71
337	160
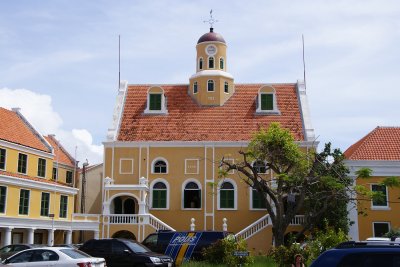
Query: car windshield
75	254
137	248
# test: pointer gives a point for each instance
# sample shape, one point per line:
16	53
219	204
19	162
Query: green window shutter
159	199
267	102
258	202
44	208
23	202
3	192
2	158
155	101
227	200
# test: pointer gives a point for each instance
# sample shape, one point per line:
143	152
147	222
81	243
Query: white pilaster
96	234
50	237
7	236
68	237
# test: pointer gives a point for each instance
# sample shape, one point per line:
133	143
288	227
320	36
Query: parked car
10	250
361	254
119	252
171	243
53	256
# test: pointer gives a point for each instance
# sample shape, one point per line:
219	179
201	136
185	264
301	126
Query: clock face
211	50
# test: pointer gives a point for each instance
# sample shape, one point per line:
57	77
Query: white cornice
211	73
126	187
118	111
21	182
25	149
309	134
110	144
378	167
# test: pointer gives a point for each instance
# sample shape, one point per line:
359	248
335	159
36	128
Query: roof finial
211	21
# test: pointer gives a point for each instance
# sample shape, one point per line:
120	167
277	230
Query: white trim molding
309	133
235	194
197	163
164	181
113	131
378	167
213	72
120	164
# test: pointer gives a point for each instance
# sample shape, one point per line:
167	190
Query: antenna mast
119	60
304	65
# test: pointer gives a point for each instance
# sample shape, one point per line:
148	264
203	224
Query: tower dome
211	37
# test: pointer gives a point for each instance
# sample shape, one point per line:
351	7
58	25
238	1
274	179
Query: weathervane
211	21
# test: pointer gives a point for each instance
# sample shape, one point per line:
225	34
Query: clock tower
211	85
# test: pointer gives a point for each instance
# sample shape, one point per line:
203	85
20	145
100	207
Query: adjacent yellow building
36	186
380	151
164	148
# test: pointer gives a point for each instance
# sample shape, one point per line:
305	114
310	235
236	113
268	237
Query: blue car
361	254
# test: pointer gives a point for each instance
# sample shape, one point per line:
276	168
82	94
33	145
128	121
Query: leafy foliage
284	255
221	252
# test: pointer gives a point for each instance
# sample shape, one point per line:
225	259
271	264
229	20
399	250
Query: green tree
306	183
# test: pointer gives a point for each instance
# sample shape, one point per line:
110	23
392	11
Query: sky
59	59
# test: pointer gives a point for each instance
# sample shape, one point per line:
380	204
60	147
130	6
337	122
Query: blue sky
59	58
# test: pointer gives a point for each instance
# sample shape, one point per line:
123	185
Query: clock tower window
211	62
221	63
210	86
195	88
200	63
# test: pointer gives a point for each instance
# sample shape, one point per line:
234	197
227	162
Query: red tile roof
186	120
33	178
60	154
14	129
383	143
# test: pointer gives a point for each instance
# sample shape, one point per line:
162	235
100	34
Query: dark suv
361	254
120	252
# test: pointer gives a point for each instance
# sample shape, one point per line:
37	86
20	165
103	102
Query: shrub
221	252
284	256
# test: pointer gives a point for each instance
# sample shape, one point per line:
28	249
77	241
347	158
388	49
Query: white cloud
38	110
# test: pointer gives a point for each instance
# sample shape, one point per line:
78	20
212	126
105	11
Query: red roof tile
33	178
14	129
383	143
60	154
186	120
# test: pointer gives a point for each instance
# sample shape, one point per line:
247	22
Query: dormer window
156	101
195	88
266	101
211	62
226	87
210	86
221	63
200	63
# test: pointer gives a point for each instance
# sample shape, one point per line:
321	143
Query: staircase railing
158	224
254	228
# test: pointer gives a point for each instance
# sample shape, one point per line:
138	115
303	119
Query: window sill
257	209
159	208
198	209
227	209
268	112
380	208
156	112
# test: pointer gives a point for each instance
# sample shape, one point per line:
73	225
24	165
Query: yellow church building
166	142
37	186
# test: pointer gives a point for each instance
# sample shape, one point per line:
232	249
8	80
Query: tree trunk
279	235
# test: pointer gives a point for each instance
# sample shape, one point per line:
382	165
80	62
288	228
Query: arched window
210	86
257	201
227	196
160	167
191	196
260	166
221	63
226	87
195	88
211	62
159	199
200	63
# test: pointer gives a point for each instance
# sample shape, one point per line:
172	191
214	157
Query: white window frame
5	202
59	207
5	159
151	193
208	62
373	226
198	66
197	167
235	194
373	207
213	85
266	168
154	161
120	165
275	110
197	89
183	194
29	202
163	109
219	63
45	168
27	163
251	200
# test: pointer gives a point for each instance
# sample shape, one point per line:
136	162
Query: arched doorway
129	206
124	234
